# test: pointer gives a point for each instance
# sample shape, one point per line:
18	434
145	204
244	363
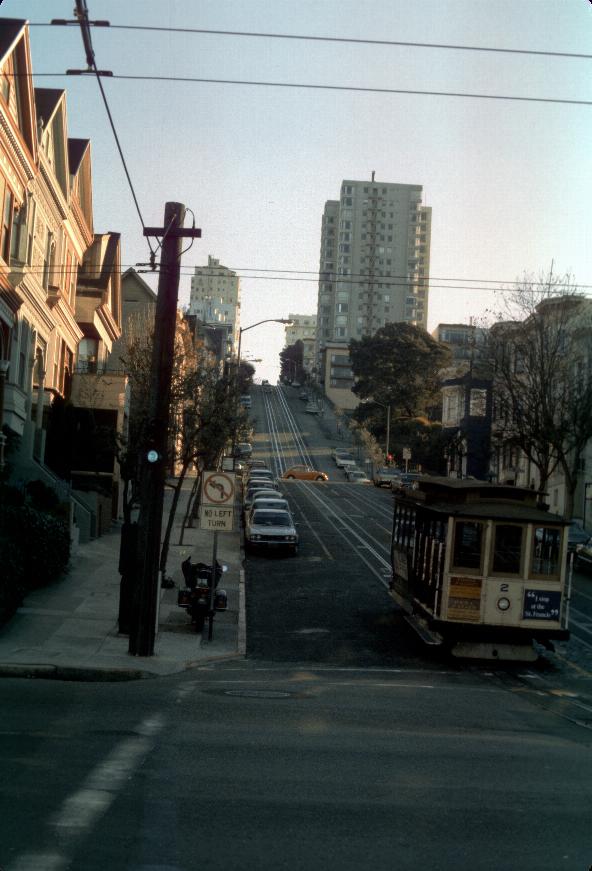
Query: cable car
480	567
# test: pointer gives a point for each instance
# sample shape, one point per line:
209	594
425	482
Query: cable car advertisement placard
464	599
541	605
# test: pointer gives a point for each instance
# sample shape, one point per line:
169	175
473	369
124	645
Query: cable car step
427	635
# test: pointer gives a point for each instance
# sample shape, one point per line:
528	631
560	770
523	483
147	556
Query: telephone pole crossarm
173	232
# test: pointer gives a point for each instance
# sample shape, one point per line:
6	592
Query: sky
509	182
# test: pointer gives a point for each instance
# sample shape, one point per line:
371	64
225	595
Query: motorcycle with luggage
196	597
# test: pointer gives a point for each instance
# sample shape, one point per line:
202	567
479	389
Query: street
340	742
254	766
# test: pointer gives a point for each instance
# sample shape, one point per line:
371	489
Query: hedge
34	551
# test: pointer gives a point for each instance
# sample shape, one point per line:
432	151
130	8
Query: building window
6	202
6	77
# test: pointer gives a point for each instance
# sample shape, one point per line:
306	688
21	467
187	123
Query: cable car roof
480	499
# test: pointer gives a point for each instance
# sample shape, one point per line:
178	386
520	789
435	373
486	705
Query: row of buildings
60	283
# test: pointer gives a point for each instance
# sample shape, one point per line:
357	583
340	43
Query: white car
339	452
259	474
258	490
278	504
386	477
270	529
345	461
356	476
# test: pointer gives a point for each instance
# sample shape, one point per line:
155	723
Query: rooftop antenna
373	174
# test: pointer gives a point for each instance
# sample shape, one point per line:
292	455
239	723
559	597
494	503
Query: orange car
305	473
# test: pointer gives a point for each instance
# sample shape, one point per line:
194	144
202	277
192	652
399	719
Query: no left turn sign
218	489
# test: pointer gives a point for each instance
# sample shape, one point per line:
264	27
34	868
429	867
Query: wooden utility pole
154	455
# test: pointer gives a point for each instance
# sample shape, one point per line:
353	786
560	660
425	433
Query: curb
72	673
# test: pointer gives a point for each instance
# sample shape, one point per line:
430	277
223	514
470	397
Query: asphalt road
339	744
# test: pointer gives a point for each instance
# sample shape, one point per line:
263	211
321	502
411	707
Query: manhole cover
258	694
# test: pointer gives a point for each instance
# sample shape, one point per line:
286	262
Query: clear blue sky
509	182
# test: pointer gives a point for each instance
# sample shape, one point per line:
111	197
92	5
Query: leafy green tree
398	366
291	362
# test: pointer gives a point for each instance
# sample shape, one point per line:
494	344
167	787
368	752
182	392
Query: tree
291	362
245	377
398	366
422	436
542	377
204	412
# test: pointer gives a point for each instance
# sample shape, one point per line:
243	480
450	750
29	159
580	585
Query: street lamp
252	326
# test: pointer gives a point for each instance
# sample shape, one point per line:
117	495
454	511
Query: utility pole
153	461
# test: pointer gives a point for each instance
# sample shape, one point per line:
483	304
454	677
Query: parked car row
269	523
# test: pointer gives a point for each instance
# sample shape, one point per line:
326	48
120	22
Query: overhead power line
321	87
424	283
81	14
328	39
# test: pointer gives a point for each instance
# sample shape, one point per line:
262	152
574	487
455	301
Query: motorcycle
195	598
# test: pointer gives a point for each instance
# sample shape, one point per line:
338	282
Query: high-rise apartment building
374	260
215	298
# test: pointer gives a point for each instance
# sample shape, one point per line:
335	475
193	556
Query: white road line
81	810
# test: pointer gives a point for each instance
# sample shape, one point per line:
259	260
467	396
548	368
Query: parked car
583	556
312	407
356	476
305	473
268	528
244	449
339	452
386	476
303	395
278	503
251	494
345	461
257	464
296	384
260	473
576	536
406	481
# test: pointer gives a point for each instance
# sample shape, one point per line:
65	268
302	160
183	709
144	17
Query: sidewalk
68	630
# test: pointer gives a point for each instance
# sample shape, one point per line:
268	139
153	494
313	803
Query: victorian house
60	301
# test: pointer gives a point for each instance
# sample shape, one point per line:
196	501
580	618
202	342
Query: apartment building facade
215	299
374	261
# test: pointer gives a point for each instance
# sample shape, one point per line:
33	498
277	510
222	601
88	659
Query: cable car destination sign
217	502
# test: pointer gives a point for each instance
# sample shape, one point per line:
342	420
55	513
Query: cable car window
507	549
468	537
545	551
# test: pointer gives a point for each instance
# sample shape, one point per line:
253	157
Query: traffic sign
216	518
217	489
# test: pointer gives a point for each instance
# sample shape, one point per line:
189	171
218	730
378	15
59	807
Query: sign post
406	457
216	514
